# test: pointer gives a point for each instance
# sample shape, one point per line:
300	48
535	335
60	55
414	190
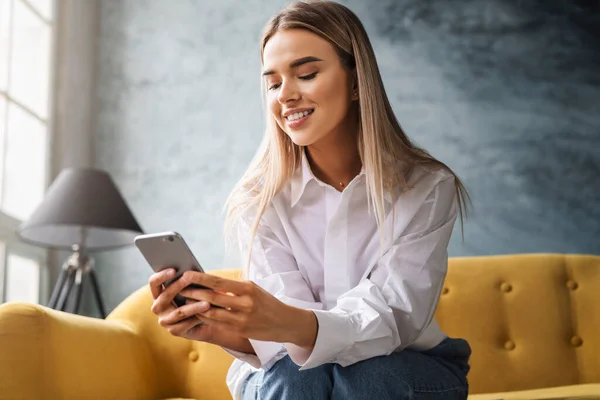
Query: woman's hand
248	310
186	321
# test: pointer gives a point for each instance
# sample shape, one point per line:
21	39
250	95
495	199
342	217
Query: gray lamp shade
82	207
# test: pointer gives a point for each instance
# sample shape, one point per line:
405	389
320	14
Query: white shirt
319	249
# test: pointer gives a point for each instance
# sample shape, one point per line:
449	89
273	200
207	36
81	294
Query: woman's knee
399	375
285	380
372	378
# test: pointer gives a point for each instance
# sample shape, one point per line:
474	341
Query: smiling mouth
298	115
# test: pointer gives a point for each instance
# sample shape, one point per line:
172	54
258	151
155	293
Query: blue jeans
439	373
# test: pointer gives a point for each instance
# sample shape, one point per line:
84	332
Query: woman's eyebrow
295	64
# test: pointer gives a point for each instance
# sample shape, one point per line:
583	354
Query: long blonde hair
386	152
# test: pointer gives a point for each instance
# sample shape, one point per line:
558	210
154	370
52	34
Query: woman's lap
439	373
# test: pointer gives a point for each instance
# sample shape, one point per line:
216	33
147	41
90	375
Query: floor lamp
82	211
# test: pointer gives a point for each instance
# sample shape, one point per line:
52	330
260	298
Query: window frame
9	224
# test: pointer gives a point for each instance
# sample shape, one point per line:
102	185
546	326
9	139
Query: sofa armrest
51	354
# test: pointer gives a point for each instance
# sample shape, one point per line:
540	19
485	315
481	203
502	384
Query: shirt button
445	290
509	345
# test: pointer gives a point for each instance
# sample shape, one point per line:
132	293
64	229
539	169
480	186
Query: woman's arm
273	268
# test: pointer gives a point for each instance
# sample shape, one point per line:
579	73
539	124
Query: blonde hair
386	152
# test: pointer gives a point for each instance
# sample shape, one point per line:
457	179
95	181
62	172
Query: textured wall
506	94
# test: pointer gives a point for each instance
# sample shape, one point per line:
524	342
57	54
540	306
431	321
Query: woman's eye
304	78
308	77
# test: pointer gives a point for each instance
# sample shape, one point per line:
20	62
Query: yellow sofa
533	321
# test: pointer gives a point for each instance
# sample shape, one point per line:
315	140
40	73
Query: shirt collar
304	174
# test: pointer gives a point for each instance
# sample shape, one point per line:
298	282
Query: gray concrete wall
505	93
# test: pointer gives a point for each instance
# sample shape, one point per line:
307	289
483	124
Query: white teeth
298	115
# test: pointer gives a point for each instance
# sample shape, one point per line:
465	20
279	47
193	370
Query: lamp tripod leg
64	295
78	282
58	287
96	289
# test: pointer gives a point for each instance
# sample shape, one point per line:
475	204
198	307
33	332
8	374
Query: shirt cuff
267	353
247	357
334	335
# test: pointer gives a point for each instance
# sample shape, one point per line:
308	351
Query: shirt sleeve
274	268
395	303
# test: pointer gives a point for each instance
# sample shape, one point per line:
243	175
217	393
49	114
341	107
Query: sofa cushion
532	320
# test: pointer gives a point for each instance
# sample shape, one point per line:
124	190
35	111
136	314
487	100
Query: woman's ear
354	86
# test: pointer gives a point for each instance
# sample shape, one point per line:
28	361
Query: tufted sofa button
509	345
193	356
572	285
506	287
576	341
445	290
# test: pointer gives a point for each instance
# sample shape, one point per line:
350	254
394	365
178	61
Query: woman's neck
335	162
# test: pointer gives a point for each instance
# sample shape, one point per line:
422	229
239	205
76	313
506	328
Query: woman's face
309	93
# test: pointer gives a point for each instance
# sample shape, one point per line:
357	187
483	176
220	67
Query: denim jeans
438	373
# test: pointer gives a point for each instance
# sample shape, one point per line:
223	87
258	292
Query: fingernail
203	303
171	272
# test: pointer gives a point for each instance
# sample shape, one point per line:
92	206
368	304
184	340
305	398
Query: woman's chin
301	138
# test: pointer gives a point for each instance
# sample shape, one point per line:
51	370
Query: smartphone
168	250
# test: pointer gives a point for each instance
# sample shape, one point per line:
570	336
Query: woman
349	224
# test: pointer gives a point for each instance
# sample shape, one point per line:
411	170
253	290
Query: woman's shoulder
424	176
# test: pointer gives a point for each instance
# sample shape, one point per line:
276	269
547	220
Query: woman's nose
288	92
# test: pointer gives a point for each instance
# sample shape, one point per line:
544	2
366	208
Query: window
26	61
